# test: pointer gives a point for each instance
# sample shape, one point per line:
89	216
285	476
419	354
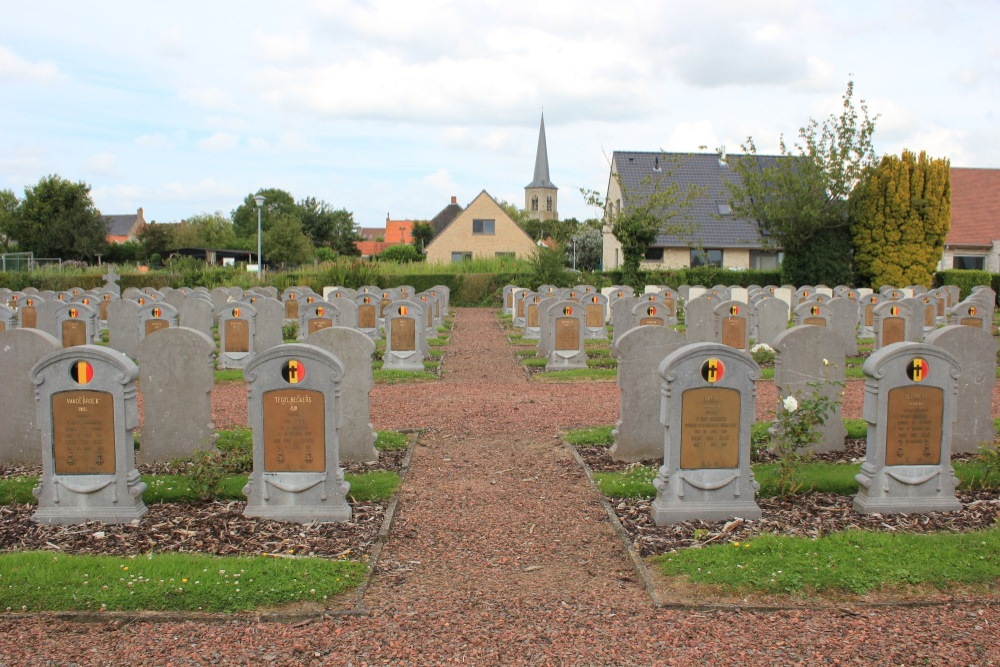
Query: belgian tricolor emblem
81	372
894	311
310	299
712	370
74	313
403	310
141	300
917	369
568	310
293	371
814	310
972	310
236	312
319	311
157	312
651	311
734	310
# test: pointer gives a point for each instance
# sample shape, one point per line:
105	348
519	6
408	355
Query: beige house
481	230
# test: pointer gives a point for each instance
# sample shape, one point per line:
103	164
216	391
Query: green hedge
966	280
706	276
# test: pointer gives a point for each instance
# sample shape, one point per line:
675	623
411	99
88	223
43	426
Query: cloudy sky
393	106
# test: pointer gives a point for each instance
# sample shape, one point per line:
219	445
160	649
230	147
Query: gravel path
501	554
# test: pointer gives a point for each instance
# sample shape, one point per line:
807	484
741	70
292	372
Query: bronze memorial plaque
292	309
710	428
294	431
237	336
893	329
83	433
3	326
74	332
651	321
567	333
869	315
103	308
153	326
814	321
520	308
972	322
929	315
318	324
29	318
913	426
532	316
734	332
404	334
595	315
366	316
670	305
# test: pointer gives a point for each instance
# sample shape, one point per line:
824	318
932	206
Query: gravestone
197	313
111	279
732	324
156	316
20	349
699	319
970	313
803	294
910	410
220	297
622	318
368	315
75	323
844	321
518	315
649	313
567	320
176	373
638	432
86	410
338	292
176	298
29	313
355	350
8	320
892	323
315	316
270	319
104	300
237	322
431	306
545	325
123	326
811	313
772	319
810	359
403	337
976	353
532	329
508	299
295	415
707	411
595	306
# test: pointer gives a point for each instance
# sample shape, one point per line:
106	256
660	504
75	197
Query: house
445	216
709	233
398	231
481	230
375	239
122	228
973	240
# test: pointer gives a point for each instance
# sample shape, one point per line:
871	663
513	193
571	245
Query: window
548	203
483	226
534	202
706	257
969	262
654	254
764	261
460	256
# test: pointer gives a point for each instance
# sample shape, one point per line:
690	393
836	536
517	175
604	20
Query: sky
391	107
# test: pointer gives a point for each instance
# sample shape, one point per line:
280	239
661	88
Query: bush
965	280
401	253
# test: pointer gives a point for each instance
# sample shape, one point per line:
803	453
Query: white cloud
440	181
210	97
12	66
219	142
281	47
102	163
690	136
170	42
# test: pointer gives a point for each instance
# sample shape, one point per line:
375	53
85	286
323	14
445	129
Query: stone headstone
772	319
844	321
76	324
976	354
295	417
317	315
156	316
638	432
237	339
892	323
699	319
368	320
971	313
123	326
812	313
810	359
270	320
595	306
176	373
910	391
732	324
20	349
197	313
622	318
404	336
567	321
532	329
707	411
545	337
8	319
86	411
355	350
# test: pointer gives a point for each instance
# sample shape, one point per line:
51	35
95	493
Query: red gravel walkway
501	555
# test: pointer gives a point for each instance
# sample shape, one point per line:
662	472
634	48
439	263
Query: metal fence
26	261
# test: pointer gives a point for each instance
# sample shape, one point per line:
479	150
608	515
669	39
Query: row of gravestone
74	409
249	321
707	407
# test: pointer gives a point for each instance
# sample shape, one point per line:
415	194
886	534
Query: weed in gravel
229	375
387	440
592	436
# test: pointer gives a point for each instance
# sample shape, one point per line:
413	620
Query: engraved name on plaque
710	428
567	333
294	429
913	426
83	433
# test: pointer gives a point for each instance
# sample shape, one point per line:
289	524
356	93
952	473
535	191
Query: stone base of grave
297	498
867	505
906	490
531	333
675	511
560	361
403	361
55	516
89	499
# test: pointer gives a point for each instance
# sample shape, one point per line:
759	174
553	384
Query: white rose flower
790	404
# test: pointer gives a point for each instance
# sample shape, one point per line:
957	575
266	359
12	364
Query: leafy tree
125	253
900	215
8	218
423	233
57	218
284	242
401	253
276	204
589	248
800	202
326	226
157	239
207	230
548	266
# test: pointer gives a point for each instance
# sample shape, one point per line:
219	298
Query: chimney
454	200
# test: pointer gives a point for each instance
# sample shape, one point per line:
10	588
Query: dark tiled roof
541	177
444	218
643	173
120	225
975	207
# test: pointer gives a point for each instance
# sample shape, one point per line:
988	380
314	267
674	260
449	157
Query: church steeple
540	196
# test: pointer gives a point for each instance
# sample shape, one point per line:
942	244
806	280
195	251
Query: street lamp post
259	200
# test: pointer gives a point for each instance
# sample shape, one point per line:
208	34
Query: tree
900	215
401	253
207	230
284	242
276	204
8	218
800	200
329	227
57	218
423	233
157	239
589	249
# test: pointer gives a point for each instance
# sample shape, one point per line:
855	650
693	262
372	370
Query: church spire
541	179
